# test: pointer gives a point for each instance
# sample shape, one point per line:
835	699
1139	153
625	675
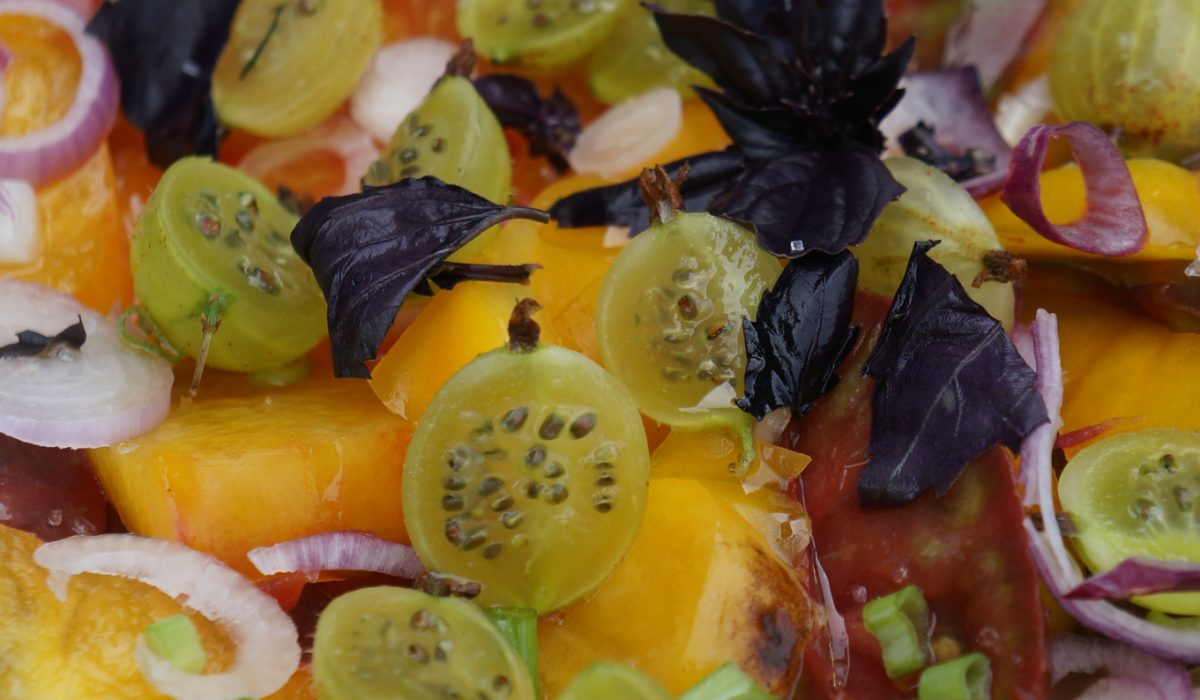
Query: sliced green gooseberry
669	316
1137	494
606	680
384	643
527	473
289	64
635	59
209	230
933	207
542	34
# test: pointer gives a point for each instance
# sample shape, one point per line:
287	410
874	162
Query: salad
589	349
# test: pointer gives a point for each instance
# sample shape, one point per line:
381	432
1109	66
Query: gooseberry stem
523	331
210	322
661	193
519	627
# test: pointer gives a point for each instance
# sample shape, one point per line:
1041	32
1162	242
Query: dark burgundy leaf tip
949	385
1138	576
660	192
1001	266
450	274
523	331
1114	223
31	343
462	63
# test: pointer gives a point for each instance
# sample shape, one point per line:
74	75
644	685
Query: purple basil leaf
450	274
760	133
1139	576
30	343
164	53
949	386
822	200
801	334
368	251
622	205
550	124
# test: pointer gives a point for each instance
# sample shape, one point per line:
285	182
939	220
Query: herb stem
276	12
210	322
519	627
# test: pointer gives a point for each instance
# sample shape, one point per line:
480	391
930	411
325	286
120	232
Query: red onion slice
345	550
98	395
267	650
339	136
1058	569
400	76
1132	673
41	156
1114	223
1139	576
991	35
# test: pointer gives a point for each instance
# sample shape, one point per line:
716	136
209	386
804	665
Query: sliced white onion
267	649
399	78
339	136
19	224
772	425
42	156
1018	112
95	396
1128	669
616	237
629	134
337	551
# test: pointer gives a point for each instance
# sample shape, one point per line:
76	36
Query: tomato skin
49	492
966	550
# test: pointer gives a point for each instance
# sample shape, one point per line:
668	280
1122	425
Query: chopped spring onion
175	639
519	627
900	621
965	678
726	683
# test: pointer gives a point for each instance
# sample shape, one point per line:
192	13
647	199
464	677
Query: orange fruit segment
241	467
83	647
42	74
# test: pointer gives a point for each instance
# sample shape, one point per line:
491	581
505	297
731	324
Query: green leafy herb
276	12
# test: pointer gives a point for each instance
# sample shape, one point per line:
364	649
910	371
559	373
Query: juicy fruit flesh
544	34
669	319
394	642
635	59
1136	494
210	229
528	474
304	71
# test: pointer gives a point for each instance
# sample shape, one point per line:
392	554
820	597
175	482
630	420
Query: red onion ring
1114	223
339	135
42	156
5	58
1132	673
267	649
1139	576
346	550
1059	570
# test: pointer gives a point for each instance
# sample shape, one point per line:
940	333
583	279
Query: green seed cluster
234	219
403	160
1165	497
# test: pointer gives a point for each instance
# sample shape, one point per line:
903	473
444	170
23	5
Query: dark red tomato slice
965	550
51	493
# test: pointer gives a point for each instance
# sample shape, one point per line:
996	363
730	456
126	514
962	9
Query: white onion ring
267	649
399	78
1129	669
345	550
339	136
42	156
19	223
96	396
629	134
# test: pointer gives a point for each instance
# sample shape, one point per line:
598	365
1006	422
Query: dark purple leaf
1139	576
949	386
164	53
951	103
31	343
450	274
368	251
622	205
761	133
822	200
550	125
801	334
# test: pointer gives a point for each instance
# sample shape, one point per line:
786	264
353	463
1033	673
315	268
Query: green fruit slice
542	34
607	680
528	473
1138	494
386	643
452	136
289	64
635	59
209	229
669	315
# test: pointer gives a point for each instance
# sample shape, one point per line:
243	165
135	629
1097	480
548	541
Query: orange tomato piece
135	176
407	19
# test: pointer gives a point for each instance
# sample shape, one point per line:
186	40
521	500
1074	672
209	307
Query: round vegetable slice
212	234
604	680
527	473
288	66
1135	494
96	395
545	34
400	77
382	643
